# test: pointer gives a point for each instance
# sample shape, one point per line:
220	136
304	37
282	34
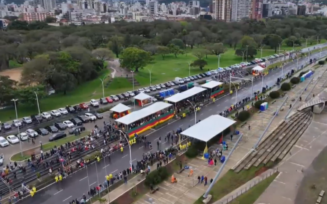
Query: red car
83	106
109	100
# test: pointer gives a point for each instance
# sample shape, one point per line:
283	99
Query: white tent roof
208	128
142	96
119	108
258	68
184	95
211	84
138	115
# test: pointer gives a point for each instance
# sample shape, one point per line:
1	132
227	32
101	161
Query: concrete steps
279	142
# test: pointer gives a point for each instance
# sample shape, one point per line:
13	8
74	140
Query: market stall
143	99
120	110
215	88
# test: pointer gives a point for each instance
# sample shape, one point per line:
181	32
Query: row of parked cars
57	129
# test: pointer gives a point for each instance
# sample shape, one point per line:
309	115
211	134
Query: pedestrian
158	145
205	181
231	137
202	178
249	127
300	98
211	180
290	106
215	162
199	179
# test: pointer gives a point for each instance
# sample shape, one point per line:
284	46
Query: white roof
211	84
184	95
142	96
138	115
119	108
258	68
208	128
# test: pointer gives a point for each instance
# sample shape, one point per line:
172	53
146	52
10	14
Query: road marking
141	147
114	171
67	198
301	147
280	182
83	178
57	192
296	164
92	183
106	166
125	156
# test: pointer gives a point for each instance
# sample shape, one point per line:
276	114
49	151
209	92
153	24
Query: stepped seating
279	142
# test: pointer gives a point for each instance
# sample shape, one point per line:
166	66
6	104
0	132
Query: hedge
191	152
258	104
274	94
321	62
156	177
243	116
295	80
102	110
286	87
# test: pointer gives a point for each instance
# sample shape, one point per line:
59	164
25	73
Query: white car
23	136
32	133
17	123
131	93
46	115
94	103
55	113
63	111
3	142
68	123
27	120
12	139
90	116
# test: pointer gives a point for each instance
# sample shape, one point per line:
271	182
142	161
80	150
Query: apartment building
223	10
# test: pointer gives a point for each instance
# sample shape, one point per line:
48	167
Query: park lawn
48	146
254	193
14	64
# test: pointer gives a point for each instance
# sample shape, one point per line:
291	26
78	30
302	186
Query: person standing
205	181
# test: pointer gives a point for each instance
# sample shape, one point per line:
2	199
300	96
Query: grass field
162	71
254	193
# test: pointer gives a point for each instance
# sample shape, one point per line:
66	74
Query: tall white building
48	5
153	7
240	9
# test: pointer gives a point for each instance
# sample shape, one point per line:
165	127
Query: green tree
200	53
27	96
199	63
103	54
178	42
273	41
174	50
163	51
7	89
134	58
50	19
115	44
216	49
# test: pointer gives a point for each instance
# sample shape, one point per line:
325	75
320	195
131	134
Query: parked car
23	136
103	101
131	94
141	90
3	142
98	115
163	86
32	133
46	115
115	98
36	118
52	129
42	131
109	100
121	96
168	84
63	111
126	95
70	109
83	106
12	139
57	136
153	88
74	129
147	90
2	159
60	126
83	118
55	113
17	123
7	126
76	121
68	123
27	120
94	103
158	87
90	116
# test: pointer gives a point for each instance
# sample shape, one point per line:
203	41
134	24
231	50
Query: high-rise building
240	9
223	10
153	7
48	5
256	9
301	10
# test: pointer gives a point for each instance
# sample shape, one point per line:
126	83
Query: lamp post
37	102
193	106
150	75
102	83
230	82
130	149
20	144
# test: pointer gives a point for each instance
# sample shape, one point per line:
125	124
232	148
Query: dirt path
14	74
117	71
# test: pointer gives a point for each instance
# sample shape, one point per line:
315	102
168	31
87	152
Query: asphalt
79	183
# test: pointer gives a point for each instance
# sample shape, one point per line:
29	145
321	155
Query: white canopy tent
138	115
119	108
211	84
258	68
184	95
142	96
208	128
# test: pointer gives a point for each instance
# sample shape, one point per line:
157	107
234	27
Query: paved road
78	184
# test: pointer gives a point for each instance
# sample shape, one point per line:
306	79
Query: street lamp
102	83
37	102
230	82
193	106
130	149
20	144
150	75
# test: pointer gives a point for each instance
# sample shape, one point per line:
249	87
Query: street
79	183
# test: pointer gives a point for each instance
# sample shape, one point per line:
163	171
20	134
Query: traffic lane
69	191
